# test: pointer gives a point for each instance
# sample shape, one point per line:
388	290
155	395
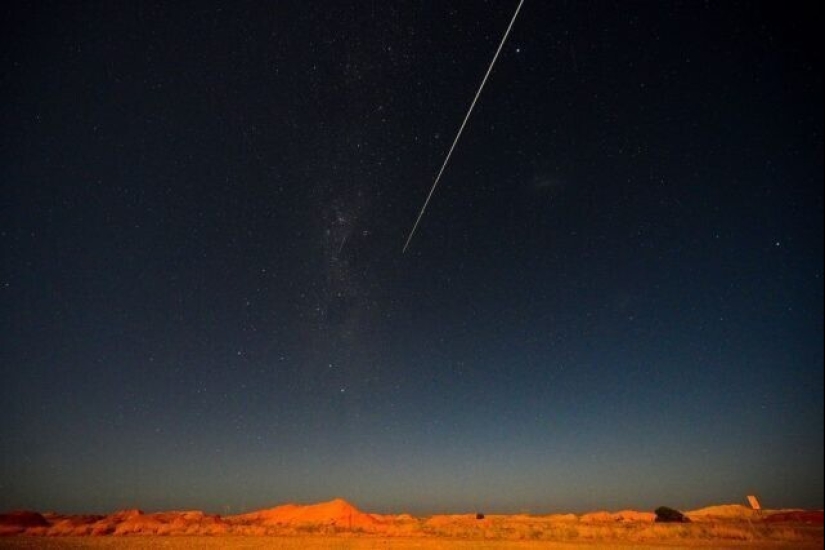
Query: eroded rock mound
721	511
336	513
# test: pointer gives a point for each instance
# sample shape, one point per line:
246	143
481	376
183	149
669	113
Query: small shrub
669	515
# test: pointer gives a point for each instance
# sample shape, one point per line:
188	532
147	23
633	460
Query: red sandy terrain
336	515
729	522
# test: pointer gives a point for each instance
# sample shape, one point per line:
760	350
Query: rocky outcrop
337	514
13	523
796	516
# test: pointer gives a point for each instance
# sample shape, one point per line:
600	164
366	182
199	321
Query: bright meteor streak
461	129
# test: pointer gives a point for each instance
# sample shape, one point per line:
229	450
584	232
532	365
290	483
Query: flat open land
359	543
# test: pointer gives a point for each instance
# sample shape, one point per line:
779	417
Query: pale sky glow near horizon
614	299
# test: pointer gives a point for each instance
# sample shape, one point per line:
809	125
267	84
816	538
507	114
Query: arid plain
339	525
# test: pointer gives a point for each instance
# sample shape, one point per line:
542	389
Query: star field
613	301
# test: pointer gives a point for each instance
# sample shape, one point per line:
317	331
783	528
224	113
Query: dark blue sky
615	298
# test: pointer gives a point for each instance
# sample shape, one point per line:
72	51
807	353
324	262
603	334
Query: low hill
722	511
719	523
335	513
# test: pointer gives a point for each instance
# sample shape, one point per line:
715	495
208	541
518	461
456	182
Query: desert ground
339	525
382	543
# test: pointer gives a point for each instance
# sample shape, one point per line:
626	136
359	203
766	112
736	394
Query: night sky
614	299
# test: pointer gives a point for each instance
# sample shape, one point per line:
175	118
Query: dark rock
23	518
796	516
